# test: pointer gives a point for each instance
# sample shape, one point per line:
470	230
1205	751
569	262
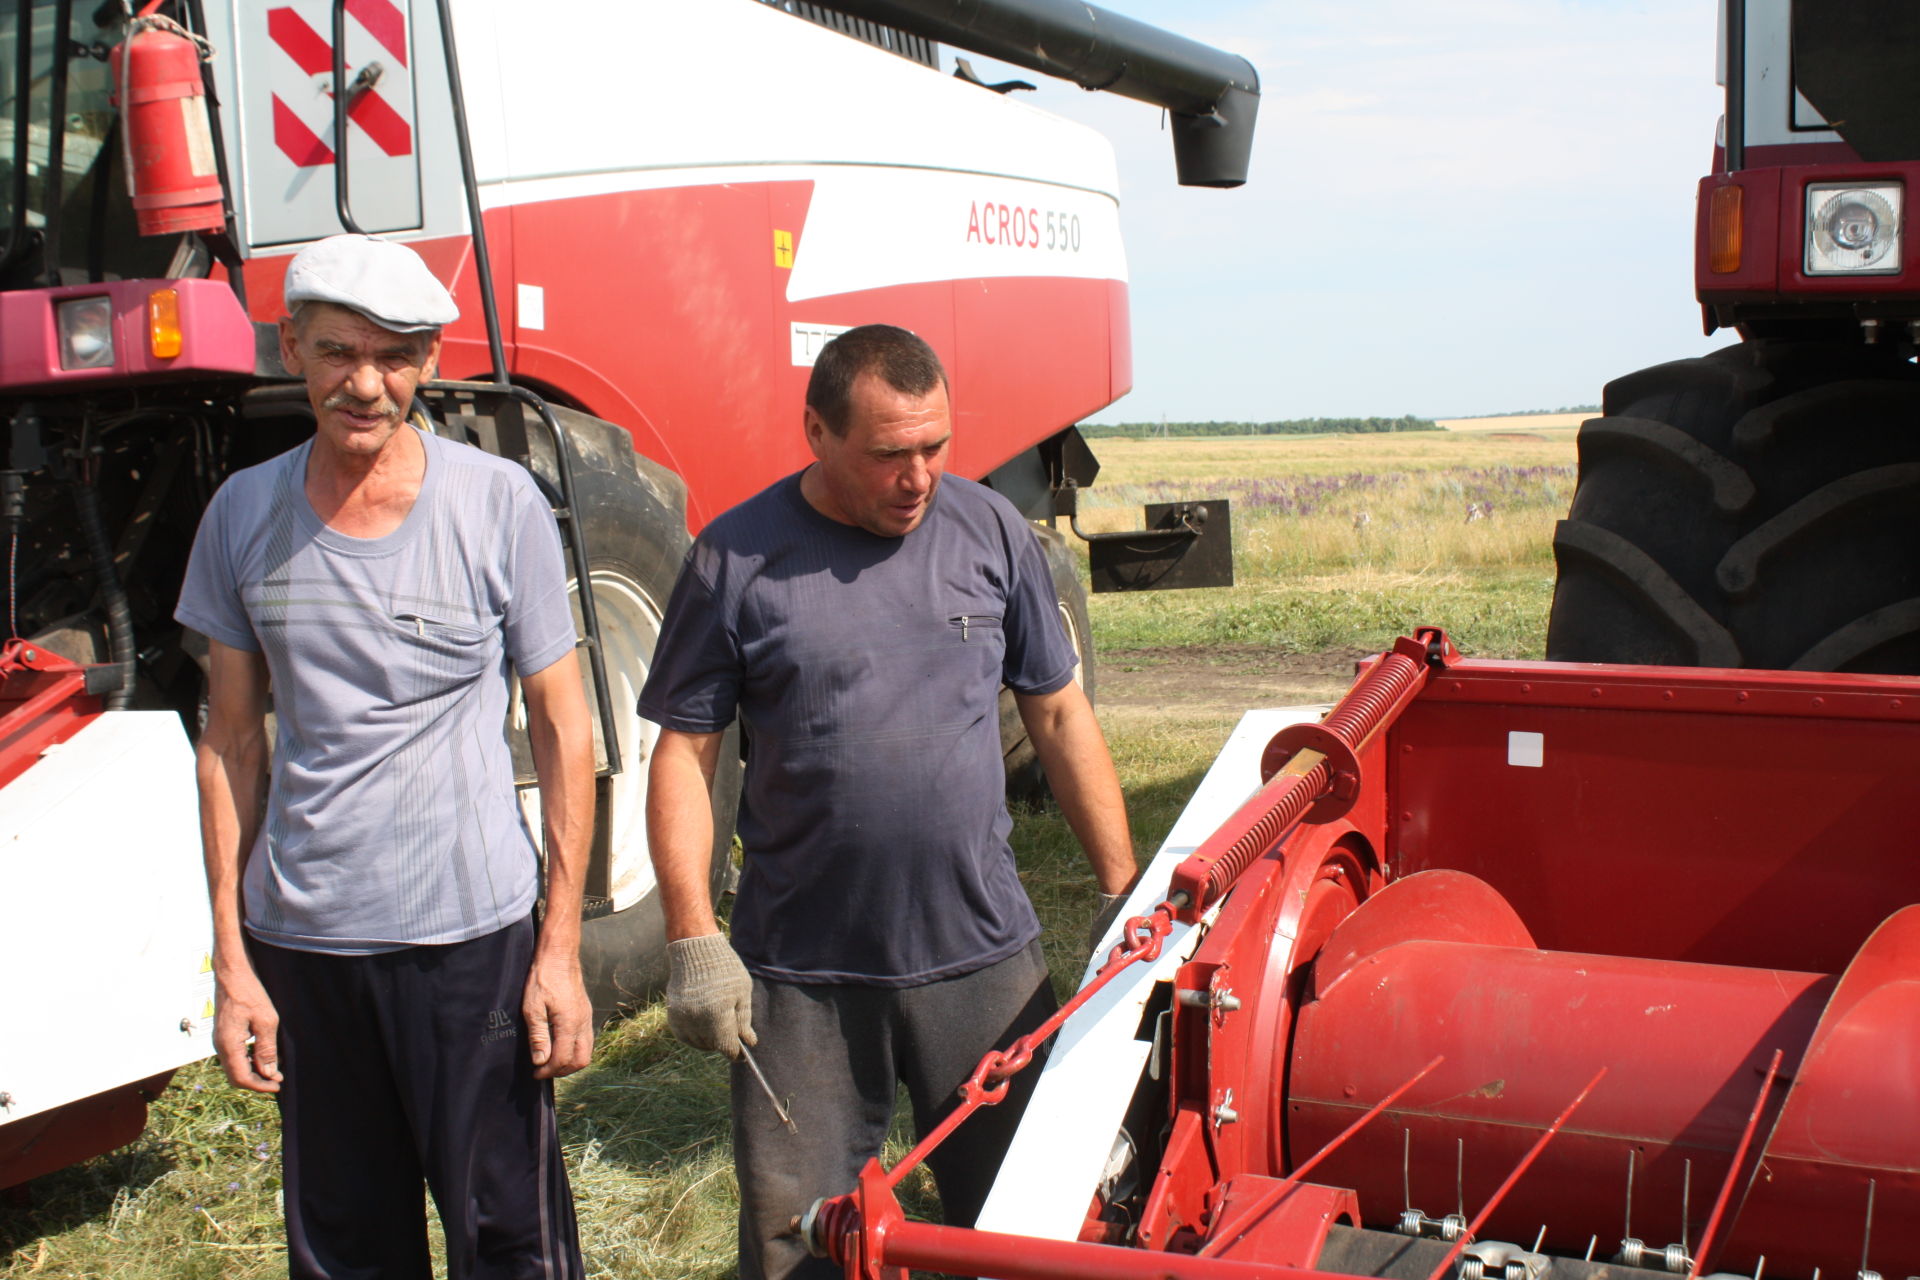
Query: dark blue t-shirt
866	674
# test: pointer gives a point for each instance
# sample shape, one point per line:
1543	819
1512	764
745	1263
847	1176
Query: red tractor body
1802	224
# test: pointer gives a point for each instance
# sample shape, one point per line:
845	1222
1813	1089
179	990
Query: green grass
1344	541
1125	462
1495	613
195	1197
645	1126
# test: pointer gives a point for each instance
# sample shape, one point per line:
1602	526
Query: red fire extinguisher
171	169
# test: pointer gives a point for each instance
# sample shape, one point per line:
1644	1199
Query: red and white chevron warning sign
303	121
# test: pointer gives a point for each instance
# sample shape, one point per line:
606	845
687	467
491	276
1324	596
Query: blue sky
1454	209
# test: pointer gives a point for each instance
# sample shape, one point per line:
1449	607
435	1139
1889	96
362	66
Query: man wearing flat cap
378	963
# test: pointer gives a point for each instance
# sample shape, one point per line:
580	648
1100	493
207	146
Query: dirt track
1218	681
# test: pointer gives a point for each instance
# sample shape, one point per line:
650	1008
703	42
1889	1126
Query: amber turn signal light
1723	230
163	323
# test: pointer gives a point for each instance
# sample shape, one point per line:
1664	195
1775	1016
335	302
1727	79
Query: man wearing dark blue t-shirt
859	618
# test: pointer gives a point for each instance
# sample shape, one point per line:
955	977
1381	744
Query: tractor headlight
1853	230
86	333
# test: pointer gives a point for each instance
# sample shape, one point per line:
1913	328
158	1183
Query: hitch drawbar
1185	544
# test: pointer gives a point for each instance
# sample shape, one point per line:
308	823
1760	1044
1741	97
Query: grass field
1349	540
644	1126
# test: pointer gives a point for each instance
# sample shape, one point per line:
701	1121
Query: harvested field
1517	422
1346	541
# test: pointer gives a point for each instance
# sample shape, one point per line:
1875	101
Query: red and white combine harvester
1578	969
652	214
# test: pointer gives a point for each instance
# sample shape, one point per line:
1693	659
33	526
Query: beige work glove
709	995
1110	904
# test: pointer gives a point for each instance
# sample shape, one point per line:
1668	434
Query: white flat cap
384	281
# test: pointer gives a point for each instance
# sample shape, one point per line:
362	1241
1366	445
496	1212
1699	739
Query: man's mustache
384	407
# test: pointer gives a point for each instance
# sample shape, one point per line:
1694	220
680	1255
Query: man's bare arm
1073	751
560	730
680	829
709	992
230	769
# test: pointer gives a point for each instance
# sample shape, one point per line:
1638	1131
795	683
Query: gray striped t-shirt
391	818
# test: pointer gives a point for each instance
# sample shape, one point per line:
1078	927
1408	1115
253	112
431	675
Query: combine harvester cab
652	214
1502	969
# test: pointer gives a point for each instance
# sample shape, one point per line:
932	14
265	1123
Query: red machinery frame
1645	924
44	700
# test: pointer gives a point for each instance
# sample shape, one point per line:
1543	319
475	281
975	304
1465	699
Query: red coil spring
1285	811
1355	719
1359	714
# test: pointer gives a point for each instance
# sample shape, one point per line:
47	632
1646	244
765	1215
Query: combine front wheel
1025	778
632	514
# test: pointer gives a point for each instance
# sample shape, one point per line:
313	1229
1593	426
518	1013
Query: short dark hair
900	358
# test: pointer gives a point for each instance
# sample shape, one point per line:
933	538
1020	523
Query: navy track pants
407	1067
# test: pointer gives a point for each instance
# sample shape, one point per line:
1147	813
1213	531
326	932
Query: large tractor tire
1757	507
632	514
1026	780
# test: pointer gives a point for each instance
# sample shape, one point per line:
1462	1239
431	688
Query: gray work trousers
835	1054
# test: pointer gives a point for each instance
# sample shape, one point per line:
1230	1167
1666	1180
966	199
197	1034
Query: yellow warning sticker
783	248
208	1011
206	962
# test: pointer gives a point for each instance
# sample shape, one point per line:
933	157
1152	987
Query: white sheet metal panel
282	62
104	928
877	228
918	176
1776	113
1054	1164
603	87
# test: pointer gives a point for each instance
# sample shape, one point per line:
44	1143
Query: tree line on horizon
1289	427
1533	413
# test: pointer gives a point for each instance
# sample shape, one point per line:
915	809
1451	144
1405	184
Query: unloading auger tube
1311	773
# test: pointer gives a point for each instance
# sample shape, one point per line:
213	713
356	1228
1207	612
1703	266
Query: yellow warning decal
208	1011
206	962
783	248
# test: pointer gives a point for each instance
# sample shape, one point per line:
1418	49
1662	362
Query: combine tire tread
632	513
1026	780
1759	506
1811	411
1805	519
1730	485
1639	576
1877	630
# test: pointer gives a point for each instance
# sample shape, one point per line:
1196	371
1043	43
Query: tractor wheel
632	514
1757	507
1026	780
